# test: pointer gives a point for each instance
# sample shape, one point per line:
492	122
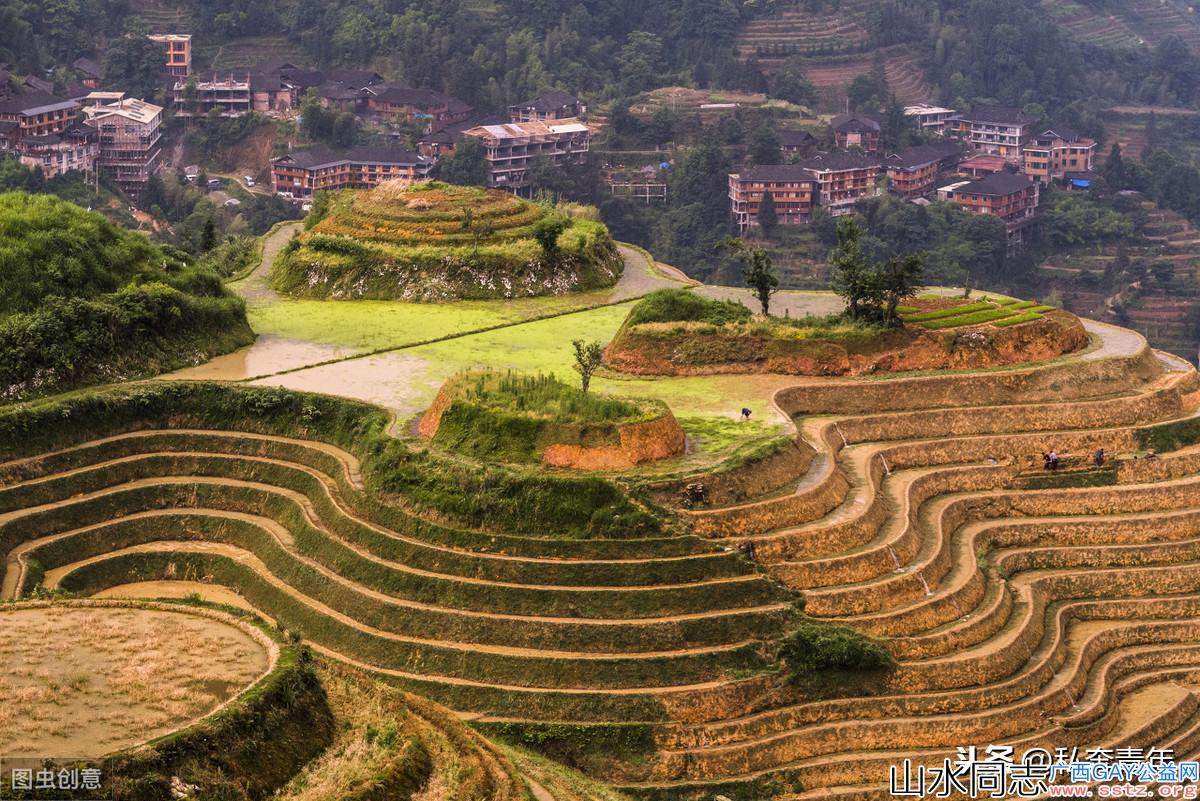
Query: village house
1010	196
399	103
855	130
791	186
548	106
913	171
34	113
843	178
302	172
796	144
76	148
1056	152
929	119
130	135
998	130
90	73
177	52
512	148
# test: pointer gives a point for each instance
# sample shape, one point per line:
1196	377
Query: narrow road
256	287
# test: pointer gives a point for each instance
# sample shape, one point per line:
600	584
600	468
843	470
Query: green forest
494	53
83	301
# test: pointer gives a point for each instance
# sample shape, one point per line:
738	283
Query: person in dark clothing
1100	458
745	413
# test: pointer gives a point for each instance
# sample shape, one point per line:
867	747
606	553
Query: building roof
922	155
89	68
854	123
335	90
925	108
404	95
1006	115
998	184
301	77
793	138
40	84
518	130
320	156
839	160
984	161
169	37
130	108
777	174
356	78
34	102
549	101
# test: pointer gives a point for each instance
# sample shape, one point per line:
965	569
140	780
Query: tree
640	63
1114	168
764	145
547	231
851	276
767	219
790	83
899	278
467	165
588	358
208	238
478	230
757	271
133	63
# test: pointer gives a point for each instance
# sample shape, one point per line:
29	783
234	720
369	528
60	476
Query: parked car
215	183
249	179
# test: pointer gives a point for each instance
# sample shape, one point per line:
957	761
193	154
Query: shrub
815	647
683	305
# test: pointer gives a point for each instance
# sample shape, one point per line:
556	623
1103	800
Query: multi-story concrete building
843	179
999	130
177	49
1056	152
513	147
1010	196
76	148
855	130
302	172
227	93
548	106
792	187
931	119
913	171
130	135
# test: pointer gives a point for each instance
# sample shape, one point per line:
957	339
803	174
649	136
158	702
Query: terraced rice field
1023	607
86	680
998	312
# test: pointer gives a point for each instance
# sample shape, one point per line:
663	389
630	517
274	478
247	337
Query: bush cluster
683	305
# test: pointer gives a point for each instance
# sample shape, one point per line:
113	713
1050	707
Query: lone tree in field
851	277
899	278
757	271
872	291
588	358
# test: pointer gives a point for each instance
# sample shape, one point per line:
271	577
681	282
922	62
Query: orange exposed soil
647	441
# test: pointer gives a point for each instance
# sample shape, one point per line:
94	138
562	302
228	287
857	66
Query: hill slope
83	301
